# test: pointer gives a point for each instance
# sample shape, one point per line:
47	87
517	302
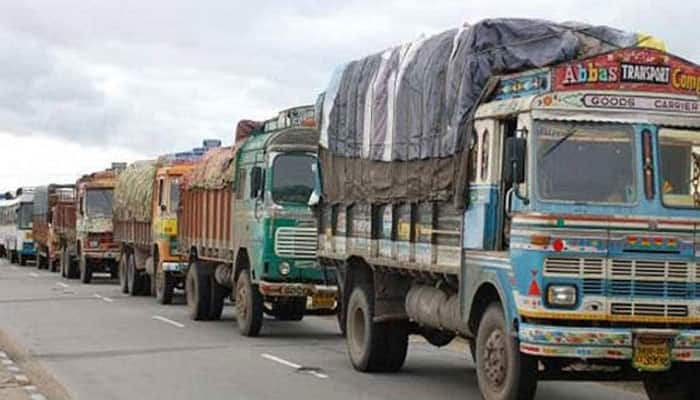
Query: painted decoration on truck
521	85
632	69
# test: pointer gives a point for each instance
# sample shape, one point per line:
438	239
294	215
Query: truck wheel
85	269
198	290
133	278
62	262
249	306
22	261
503	372
373	347
73	268
669	386
165	286
54	264
123	276
218	295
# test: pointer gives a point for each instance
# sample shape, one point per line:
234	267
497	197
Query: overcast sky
84	83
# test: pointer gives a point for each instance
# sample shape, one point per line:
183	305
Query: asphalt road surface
100	344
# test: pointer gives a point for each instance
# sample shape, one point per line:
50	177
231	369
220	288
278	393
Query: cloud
159	76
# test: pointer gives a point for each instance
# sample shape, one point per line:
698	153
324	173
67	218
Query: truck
16	236
64	218
538	198
93	249
46	199
247	229
145	218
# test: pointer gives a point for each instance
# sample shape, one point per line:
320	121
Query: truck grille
629	278
578	267
296	242
649	310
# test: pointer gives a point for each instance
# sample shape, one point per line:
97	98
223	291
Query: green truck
248	231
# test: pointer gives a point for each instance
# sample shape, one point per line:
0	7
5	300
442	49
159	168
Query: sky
84	83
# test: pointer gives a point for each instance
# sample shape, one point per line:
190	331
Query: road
100	344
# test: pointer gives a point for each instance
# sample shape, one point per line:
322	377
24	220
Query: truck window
24	216
99	202
293	178
592	163
160	192
680	167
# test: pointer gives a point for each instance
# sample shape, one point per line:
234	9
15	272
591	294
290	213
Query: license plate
322	301
652	353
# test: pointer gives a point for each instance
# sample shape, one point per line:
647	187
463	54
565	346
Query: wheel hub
495	361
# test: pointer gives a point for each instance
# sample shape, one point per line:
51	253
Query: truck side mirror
515	161
163	208
255	181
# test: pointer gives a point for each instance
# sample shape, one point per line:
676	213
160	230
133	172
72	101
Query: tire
39	262
670	386
62	263
133	276
218	295
123	282
21	260
249	306
503	372
85	270
73	267
165	286
372	346
198	290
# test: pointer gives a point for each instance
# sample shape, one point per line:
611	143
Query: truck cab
95	247
276	175
584	213
273	224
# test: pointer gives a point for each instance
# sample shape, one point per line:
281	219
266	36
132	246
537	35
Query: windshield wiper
559	142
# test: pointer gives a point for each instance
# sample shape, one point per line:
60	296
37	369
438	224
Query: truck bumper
104	255
601	343
174	267
278	289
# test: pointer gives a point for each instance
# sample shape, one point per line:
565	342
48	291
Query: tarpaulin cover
41	200
133	193
413	102
214	171
244	128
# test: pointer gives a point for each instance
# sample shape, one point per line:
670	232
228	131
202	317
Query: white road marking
168	321
22	378
33	274
7	362
107	299
63	285
14	268
3	354
292	365
30	388
37	396
12	368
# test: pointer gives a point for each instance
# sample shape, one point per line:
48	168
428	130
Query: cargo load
397	121
215	171
133	192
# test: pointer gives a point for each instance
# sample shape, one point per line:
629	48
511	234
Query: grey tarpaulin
399	117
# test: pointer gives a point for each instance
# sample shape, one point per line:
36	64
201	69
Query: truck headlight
561	295
285	268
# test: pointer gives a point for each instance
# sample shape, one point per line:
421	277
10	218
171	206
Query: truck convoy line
528	186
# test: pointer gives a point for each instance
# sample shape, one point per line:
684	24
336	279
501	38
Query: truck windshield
24	216
293	178
680	167
587	163
99	202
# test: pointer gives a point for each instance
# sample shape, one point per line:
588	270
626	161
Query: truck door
508	128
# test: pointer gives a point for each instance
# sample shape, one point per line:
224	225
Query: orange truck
93	248
46	238
145	219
